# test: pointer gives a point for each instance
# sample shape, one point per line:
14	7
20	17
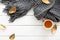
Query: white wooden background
26	28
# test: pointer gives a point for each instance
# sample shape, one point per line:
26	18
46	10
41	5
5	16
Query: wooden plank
29	31
26	20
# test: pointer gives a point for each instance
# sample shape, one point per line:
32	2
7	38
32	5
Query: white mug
47	27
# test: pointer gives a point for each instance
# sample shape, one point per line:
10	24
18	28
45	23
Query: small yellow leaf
2	27
46	1
54	29
12	36
12	10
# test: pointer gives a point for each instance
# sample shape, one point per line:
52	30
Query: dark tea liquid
48	24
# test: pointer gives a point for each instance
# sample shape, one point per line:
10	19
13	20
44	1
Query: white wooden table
26	28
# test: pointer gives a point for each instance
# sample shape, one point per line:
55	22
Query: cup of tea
48	24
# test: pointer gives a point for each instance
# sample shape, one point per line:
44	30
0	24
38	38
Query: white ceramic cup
45	26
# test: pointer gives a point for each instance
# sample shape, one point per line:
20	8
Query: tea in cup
48	24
